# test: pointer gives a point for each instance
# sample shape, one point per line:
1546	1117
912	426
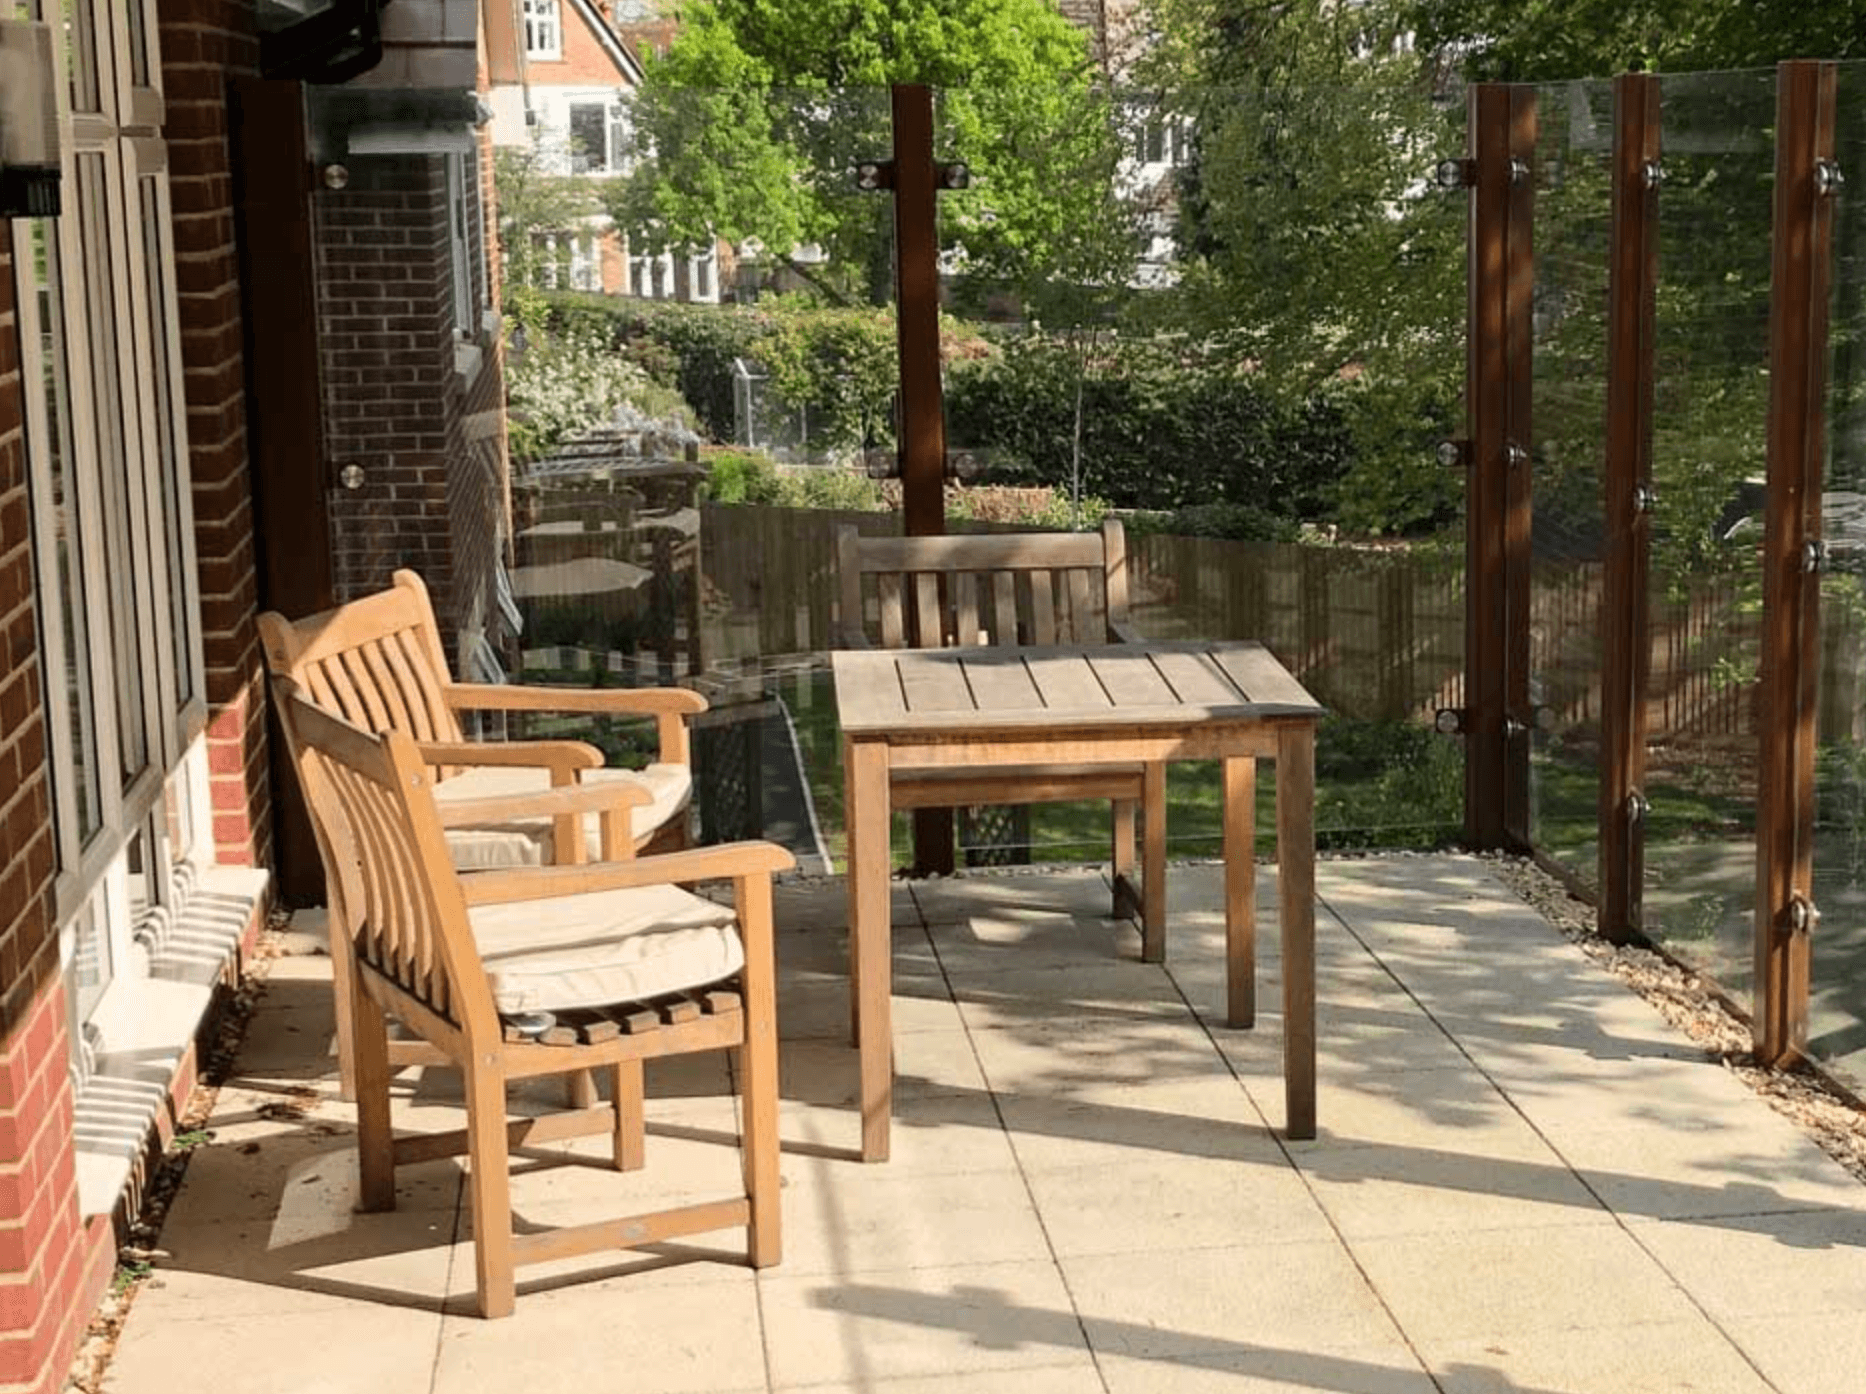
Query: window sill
146	1026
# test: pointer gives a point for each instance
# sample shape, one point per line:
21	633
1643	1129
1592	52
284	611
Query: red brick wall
585	62
51	1269
430	442
391	396
204	42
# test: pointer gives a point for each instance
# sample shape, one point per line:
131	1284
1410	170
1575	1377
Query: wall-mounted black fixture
335	44
28	121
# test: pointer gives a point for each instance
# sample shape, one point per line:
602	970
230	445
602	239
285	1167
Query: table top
882	692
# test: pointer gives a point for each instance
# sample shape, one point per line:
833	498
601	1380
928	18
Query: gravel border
1692	1004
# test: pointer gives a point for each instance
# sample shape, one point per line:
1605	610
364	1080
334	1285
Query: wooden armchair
1013	589
516	973
379	663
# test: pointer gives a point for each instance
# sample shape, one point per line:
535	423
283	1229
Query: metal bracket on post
1449	721
1799	917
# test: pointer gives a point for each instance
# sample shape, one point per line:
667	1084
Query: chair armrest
727	860
557	756
1124	633
610	800
624	701
667	705
611	794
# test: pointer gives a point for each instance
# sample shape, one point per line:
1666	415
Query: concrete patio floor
1525	1181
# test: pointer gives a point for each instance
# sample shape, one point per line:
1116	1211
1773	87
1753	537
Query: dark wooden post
1632	280
284	404
1790	678
923	411
1500	279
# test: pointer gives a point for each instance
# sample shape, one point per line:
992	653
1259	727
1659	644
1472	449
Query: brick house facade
409	384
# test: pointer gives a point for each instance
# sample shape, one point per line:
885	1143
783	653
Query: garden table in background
977	707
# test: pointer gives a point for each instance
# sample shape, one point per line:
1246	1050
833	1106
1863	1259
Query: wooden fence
1375	634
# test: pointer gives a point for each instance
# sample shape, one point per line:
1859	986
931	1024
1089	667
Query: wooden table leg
870	935
1240	823
1295	893
1153	863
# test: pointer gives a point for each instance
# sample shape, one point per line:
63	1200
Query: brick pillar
51	1268
204	42
392	397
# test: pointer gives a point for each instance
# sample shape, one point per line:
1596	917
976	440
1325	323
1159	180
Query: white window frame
544	30
139	493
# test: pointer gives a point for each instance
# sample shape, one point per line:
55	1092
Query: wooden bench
1013	590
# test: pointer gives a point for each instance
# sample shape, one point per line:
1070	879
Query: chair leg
1122	853
491	1186
580	1089
342	972
625	1083
758	1080
1153	865
375	1134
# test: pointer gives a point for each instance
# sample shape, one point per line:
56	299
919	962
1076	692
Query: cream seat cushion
604	947
527	841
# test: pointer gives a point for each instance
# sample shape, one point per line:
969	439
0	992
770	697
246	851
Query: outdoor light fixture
1454	174
955	175
872	176
28	121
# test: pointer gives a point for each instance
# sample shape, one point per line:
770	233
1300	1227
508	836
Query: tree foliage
1542	40
750	127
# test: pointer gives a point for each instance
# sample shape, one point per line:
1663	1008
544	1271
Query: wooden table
970	707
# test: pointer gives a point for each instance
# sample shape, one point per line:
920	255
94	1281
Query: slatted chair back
378	661
400	902
1002	589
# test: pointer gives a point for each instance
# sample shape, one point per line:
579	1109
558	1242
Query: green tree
1311	242
536	200
751	126
1540	40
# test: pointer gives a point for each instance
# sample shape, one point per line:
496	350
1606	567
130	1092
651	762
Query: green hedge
1167	425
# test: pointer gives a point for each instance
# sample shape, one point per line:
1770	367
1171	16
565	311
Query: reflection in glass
167	427
1574	146
1710	412
114	467
66	594
139	42
91	961
1837	1010
81	55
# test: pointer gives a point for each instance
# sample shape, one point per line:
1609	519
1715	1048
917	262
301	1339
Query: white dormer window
544	29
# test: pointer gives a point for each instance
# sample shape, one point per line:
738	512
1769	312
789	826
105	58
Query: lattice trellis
995	834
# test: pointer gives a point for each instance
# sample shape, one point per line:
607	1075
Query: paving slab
1525	1182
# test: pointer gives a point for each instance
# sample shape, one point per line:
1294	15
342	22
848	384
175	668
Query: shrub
1235	522
566	381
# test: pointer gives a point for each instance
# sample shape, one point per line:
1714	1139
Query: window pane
91	965
139	44
81	55
62	595
127	623
181	613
